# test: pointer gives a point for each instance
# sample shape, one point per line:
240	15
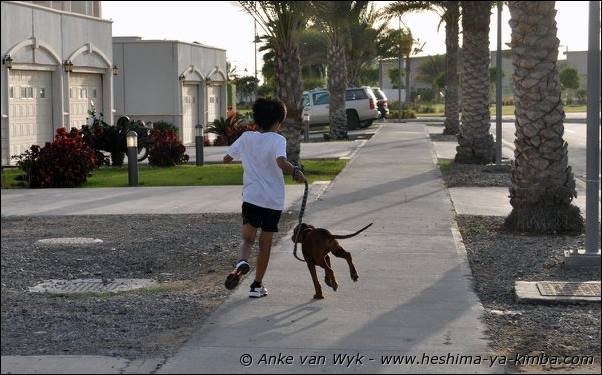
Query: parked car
381	102
360	103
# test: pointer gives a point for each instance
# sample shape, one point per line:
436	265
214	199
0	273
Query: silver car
360	103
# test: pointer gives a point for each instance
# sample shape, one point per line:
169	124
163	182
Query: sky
223	24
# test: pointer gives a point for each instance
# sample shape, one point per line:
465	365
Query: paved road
575	135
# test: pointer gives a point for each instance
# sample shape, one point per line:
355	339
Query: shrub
112	139
163	125
66	162
167	150
228	130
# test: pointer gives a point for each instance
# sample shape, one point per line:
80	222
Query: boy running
263	156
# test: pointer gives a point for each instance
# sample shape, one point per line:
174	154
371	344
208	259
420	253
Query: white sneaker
258	292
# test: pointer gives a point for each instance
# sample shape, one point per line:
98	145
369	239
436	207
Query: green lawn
186	175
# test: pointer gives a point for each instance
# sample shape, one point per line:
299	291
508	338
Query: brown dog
316	243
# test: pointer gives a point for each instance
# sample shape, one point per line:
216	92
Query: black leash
301	212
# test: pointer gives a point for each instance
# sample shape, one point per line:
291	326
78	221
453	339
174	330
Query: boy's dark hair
267	112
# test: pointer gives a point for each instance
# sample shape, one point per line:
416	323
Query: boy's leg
241	267
263	258
248	233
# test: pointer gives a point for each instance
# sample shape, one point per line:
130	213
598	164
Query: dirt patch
189	254
498	259
456	174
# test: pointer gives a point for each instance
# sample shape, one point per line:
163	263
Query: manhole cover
69	241
90	286
586	289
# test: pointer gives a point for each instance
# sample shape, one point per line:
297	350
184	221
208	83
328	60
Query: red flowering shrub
66	162
166	151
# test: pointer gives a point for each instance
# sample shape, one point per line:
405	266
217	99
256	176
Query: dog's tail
340	237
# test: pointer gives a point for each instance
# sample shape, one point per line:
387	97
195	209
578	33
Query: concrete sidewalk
413	297
138	200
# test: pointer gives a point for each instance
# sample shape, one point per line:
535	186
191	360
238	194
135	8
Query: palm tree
335	17
283	21
398	43
362	50
475	143
449	11
543	185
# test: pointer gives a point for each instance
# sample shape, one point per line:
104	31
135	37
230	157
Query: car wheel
353	120
366	124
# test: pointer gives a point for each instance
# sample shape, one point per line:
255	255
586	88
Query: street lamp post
199	144
591	256
306	119
132	151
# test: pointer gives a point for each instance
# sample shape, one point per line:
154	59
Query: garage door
84	89
30	109
191	112
213	103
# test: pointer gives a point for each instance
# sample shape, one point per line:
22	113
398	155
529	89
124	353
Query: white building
56	61
180	83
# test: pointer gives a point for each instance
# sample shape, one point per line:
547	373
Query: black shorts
260	217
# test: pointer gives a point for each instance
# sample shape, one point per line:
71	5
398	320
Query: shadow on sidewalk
427	320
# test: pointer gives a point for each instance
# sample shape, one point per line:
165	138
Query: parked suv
381	102
360	103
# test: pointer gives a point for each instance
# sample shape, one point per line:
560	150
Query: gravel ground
477	175
498	259
189	254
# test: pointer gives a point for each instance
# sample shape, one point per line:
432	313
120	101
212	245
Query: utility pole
399	74
498	88
255	41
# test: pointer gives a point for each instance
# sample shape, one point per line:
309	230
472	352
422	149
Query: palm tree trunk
289	88
353	74
452	121
543	185
475	144
337	84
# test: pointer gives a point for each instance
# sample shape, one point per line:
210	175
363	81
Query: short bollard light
132	147
199	140
306	118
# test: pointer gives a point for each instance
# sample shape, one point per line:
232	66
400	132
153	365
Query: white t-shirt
263	179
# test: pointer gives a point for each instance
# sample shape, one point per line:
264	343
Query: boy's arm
288	168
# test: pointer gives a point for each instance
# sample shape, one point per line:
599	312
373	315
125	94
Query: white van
360	103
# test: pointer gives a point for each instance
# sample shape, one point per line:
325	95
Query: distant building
168	80
578	60
416	62
56	63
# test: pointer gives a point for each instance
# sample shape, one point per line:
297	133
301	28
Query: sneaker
258	292
240	268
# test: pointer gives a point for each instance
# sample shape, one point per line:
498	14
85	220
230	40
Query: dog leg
341	253
314	278
329	278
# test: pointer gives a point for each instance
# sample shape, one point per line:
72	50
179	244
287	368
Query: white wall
152	73
37	37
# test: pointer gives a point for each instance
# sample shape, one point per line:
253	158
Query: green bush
112	138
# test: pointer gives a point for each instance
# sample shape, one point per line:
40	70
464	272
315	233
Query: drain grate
90	286
69	241
572	289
